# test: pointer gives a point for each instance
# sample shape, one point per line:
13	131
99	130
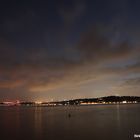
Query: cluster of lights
40	103
9	103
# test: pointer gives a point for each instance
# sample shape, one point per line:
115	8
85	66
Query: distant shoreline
108	100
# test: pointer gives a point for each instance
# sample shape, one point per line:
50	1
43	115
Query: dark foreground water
98	122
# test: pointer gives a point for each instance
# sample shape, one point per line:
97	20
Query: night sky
66	49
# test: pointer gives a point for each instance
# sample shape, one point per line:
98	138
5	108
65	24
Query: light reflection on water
111	122
118	117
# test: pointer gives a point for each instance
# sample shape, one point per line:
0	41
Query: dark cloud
72	11
45	46
133	82
135	67
34	69
95	46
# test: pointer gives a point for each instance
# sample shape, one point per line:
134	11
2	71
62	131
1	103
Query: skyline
69	49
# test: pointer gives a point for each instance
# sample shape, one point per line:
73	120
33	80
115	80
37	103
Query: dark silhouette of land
88	101
101	100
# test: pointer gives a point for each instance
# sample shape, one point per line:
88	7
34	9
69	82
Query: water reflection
38	122
9	122
111	122
118	117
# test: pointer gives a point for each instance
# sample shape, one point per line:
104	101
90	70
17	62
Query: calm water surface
98	122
